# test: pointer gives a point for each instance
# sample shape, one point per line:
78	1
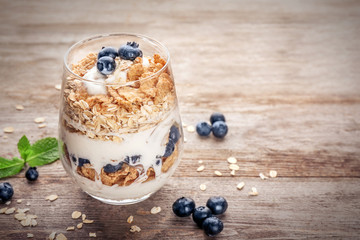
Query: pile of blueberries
218	126
106	57
203	216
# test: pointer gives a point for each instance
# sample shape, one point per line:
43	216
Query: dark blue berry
217	205
170	147
217	117
127	159
174	134
130	51
106	65
212	226
200	214
135	158
83	161
183	207
158	161
219	129
108	168
203	129
6	191
73	158
108	51
31	174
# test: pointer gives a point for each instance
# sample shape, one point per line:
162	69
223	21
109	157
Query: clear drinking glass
120	134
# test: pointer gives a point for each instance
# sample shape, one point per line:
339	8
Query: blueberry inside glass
119	123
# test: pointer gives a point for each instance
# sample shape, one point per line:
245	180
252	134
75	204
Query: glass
120	134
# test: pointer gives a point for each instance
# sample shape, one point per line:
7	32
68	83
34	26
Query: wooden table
285	74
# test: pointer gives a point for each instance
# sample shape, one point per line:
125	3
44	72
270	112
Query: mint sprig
42	152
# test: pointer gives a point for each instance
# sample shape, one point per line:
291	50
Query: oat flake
273	173
30	235
155	210
52	198
135	228
42	125
253	192
58	86
201	168
202	187
76	215
61	237
91	234
130	219
10	210
232	160
19	107
8	130
72	228
79	226
262	176
218	173
52	236
232	173
88	221
190	129
240	185
83	216
2	210
234	167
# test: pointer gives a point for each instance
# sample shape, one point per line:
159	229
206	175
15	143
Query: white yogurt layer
149	144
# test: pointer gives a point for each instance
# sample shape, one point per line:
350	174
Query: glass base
121	202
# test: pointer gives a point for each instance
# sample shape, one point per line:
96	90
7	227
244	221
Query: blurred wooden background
285	74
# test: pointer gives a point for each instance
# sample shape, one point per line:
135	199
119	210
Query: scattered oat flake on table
72	228
52	236
61	237
135	228
52	197
8	130
185	139
26	222
234	167
8	203
218	173
57	86
10	210
253	192
184	125
27	204
273	173
5	137
39	120
202	187
155	210
2	210
91	234
200	161
42	125
240	185
83	216
232	160
190	129
262	176
20	216
199	169
79	226
30	235
33	223
232	173
76	214
19	107
19	201
22	210
130	219
88	221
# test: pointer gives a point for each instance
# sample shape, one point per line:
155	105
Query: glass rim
99	36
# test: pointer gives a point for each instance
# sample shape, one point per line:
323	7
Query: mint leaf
43	152
24	147
10	167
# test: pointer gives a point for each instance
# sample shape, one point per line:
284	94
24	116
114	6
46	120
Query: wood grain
284	73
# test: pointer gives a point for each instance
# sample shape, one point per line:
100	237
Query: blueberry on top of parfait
130	51
108	51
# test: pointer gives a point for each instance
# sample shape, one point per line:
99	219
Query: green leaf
24	147
10	167
43	152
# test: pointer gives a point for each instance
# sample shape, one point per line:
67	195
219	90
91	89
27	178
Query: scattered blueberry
6	191
73	158
174	134
83	161
108	51
170	147
200	214
203	129
108	168
31	174
212	226
106	65
217	205
219	129
135	158
127	159
183	207
217	117
130	51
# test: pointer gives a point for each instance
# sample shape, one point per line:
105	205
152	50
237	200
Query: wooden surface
285	73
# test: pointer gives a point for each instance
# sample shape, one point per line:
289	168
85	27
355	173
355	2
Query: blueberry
108	168
217	117
135	158
127	159
174	134
212	226
108	51
203	129
158	161
31	174
6	191
73	158
130	51
217	205
183	207
170	147
106	65
83	161
219	129
200	214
